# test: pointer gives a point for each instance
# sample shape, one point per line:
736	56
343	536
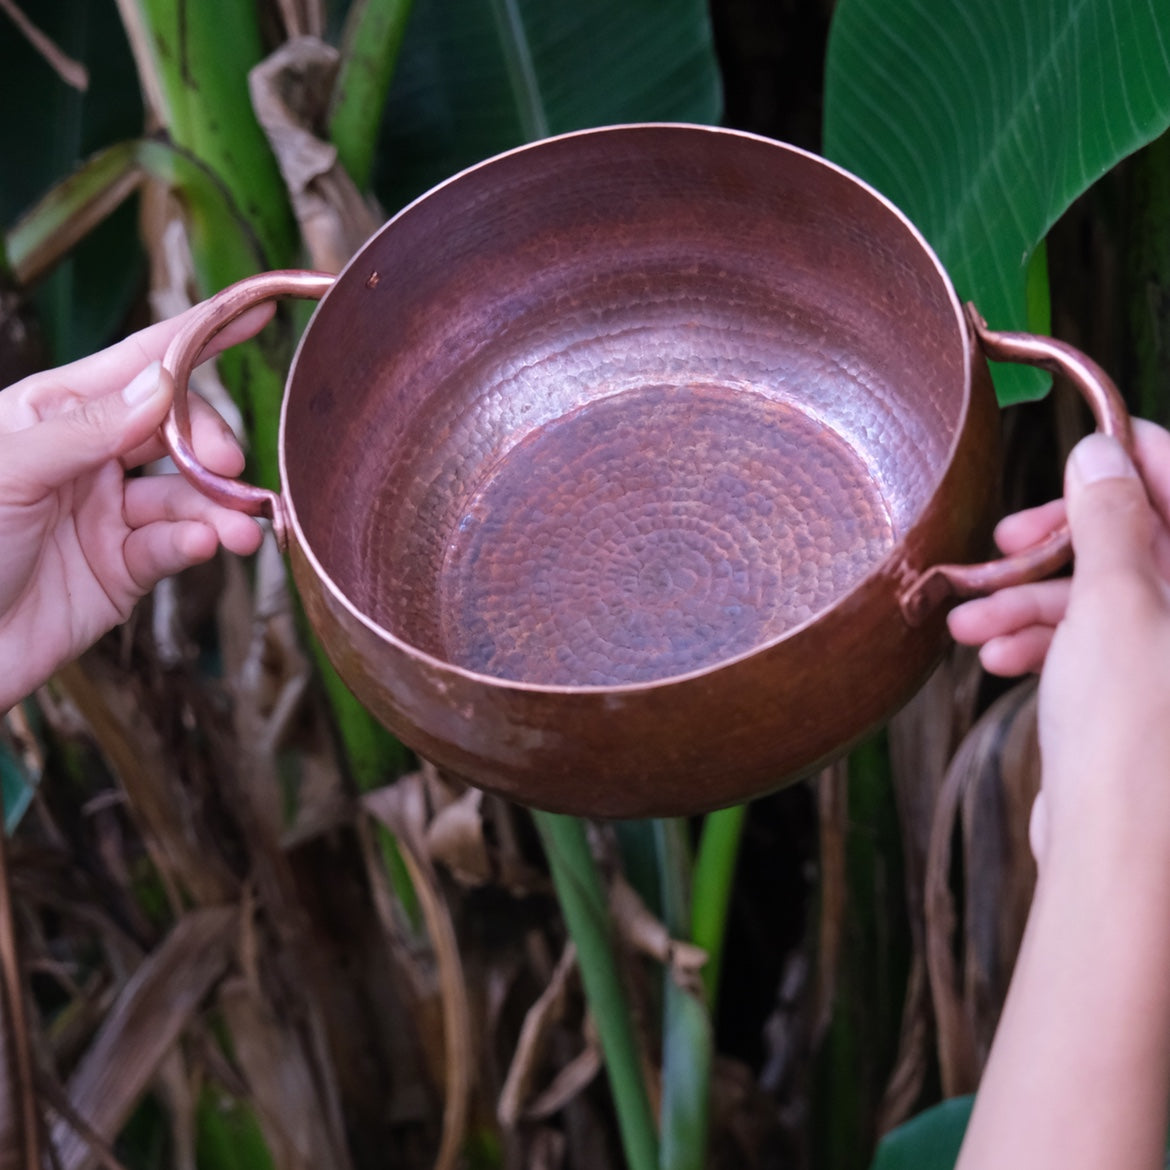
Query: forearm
1079	1073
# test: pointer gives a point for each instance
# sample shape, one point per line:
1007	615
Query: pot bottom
655	532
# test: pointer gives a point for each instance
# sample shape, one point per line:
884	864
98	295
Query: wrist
1110	877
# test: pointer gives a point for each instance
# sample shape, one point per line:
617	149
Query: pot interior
622	405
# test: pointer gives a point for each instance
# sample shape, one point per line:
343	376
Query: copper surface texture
625	474
655	532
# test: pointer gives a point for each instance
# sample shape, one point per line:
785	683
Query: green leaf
476	78
369	52
228	1135
201	54
583	903
929	1141
17	786
688	1037
983	122
714	878
47	129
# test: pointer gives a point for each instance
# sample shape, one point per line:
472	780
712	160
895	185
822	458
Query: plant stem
369	50
714	876
687	1038
583	904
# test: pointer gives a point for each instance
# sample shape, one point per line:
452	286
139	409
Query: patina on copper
623	474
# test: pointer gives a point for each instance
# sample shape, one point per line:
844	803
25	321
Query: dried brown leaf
998	865
472	835
150	1013
175	1088
547	1150
923	737
71	72
290	94
56	1100
20	1125
455	839
955	1036
647	934
976	766
532	1046
832	788
145	63
573	1079
171	829
282	1083
302	17
394	810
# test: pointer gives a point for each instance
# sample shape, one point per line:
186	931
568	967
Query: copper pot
623	474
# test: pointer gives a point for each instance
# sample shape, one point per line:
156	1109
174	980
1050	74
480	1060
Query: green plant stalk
374	756
861	1043
197	57
70	210
399	876
687	1034
369	51
228	1135
201	55
1039	302
714	877
582	899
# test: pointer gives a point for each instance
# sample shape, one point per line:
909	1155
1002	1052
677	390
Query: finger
1162	552
1110	517
1022	530
164	549
58	389
1022	652
57	450
1152	453
215	444
1042	603
1038	827
153	499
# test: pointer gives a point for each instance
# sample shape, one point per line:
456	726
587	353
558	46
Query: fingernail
143	385
1100	457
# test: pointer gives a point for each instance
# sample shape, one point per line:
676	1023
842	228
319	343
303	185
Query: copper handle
935	585
183	355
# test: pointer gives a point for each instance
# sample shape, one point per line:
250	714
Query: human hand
1079	1072
1104	704
1101	636
82	541
1014	627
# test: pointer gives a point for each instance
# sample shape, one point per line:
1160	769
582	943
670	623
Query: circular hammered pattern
656	532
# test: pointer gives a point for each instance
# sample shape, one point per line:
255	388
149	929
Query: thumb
1109	513
58	449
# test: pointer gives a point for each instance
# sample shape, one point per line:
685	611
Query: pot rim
892	565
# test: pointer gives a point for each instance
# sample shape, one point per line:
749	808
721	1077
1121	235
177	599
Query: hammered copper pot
617	470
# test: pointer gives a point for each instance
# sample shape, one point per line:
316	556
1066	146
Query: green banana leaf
48	128
18	782
983	122
929	1141
476	77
